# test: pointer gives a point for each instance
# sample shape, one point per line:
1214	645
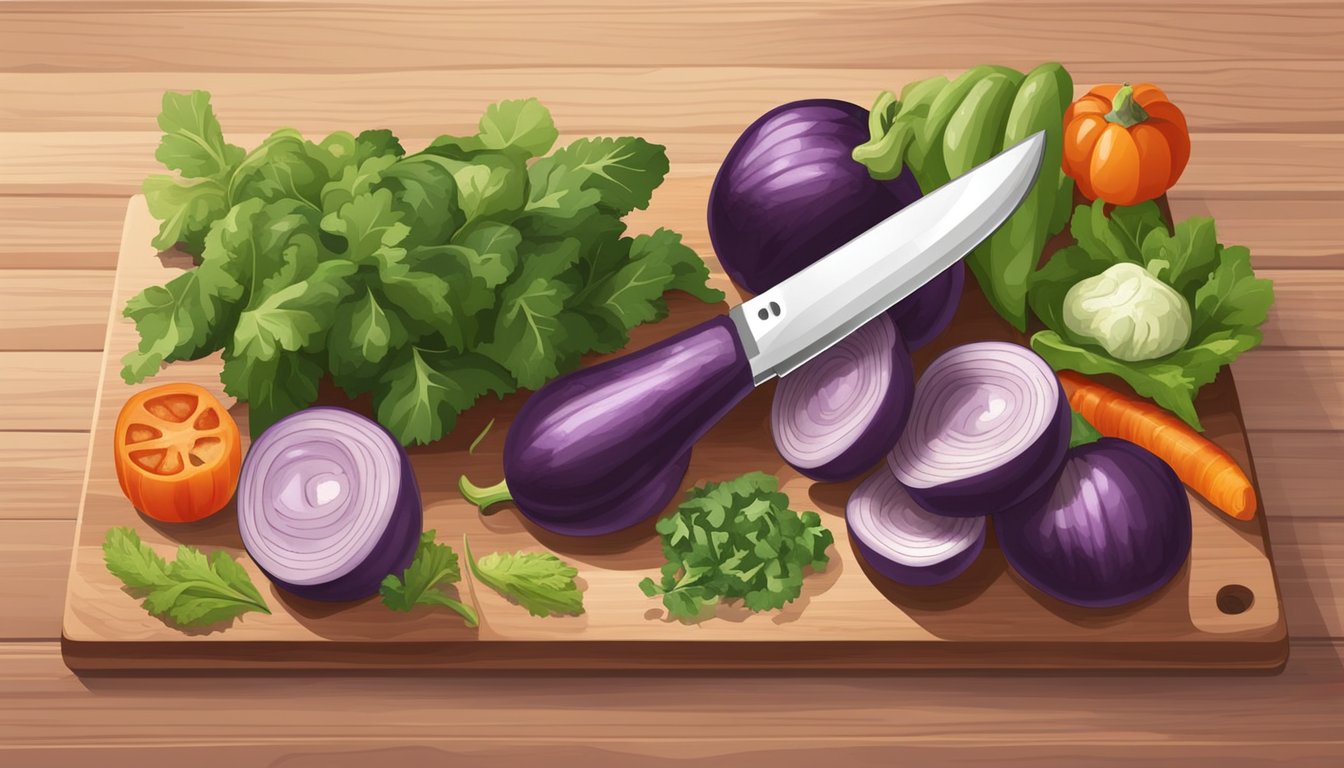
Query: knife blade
602	448
803	316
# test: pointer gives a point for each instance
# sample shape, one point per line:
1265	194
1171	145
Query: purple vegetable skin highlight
789	192
834	417
328	505
644	502
605	448
929	310
1115	529
905	543
987	432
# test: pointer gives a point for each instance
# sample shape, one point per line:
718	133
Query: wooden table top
80	83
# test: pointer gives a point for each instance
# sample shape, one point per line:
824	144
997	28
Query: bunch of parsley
737	540
1227	302
480	264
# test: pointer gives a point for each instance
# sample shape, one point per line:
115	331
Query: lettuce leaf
1228	302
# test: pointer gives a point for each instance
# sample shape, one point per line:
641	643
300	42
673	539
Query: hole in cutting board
1234	599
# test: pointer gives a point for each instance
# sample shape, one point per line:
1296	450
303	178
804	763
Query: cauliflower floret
1130	312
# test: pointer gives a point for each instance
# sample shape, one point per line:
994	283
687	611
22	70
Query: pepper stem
486	497
1124	109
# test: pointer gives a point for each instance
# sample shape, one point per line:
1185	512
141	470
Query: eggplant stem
485	497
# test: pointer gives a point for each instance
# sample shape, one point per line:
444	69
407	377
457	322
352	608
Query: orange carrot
1207	469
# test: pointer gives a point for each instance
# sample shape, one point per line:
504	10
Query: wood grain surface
78	82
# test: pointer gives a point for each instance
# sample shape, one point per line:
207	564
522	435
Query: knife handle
605	447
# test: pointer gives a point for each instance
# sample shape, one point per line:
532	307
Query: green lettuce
1227	302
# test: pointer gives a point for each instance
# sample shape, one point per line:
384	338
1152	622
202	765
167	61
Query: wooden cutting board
1222	611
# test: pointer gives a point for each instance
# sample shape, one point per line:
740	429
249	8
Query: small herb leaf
192	590
538	581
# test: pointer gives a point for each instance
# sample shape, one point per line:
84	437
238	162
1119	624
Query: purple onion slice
328	505
987	432
834	417
905	543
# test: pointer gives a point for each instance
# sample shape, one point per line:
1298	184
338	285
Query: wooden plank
1309	557
1237	166
368	36
844	620
1308	308
1300	472
1291	389
1281	233
54	309
666	720
34	561
784	751
48	390
42	474
613	99
60	232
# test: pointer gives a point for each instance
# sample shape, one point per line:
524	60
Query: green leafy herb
1227	302
538	581
737	540
478	265
422	583
192	590
194	146
1082	432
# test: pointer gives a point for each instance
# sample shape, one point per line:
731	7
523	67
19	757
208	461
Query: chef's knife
601	448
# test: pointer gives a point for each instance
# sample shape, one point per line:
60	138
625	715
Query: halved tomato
177	453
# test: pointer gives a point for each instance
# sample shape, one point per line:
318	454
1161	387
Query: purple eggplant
790	191
605	448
